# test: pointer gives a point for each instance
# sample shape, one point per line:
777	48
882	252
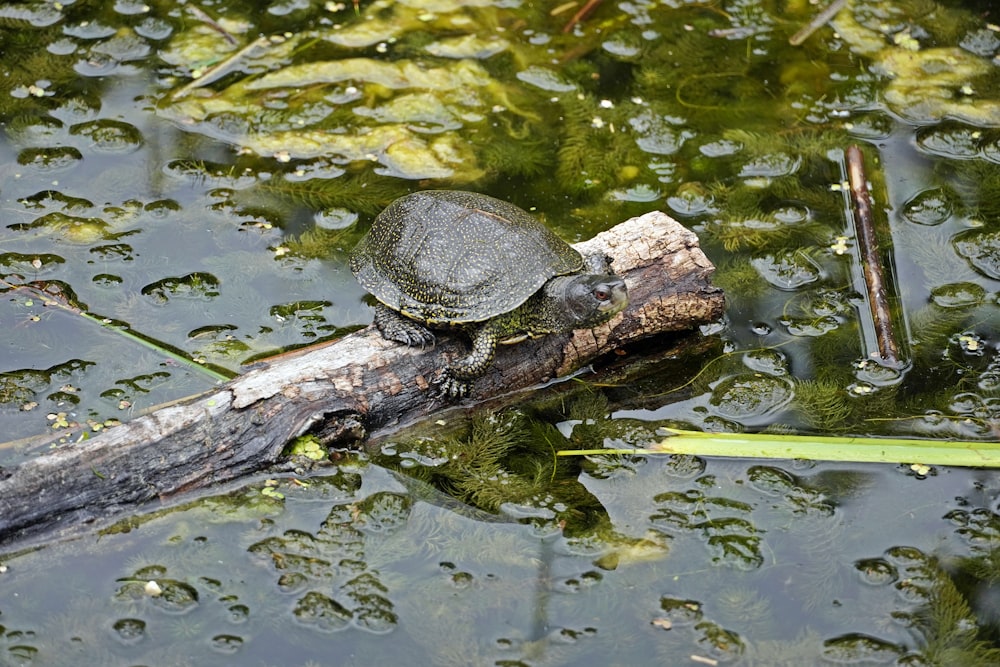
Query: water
749	564
209	212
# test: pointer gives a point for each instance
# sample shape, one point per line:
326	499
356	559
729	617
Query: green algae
277	153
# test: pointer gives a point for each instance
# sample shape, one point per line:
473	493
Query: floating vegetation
725	524
109	136
750	396
199	173
50	160
430	101
192	286
787	270
978	184
930	207
951	141
958	295
981	249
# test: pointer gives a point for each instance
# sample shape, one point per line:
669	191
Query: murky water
173	175
743	564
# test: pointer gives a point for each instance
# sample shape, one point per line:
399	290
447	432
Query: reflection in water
179	176
721	561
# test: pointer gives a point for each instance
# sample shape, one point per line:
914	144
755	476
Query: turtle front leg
394	326
456	380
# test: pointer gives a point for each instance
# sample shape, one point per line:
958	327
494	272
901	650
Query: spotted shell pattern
448	257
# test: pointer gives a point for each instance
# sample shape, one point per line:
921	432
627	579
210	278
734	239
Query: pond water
190	178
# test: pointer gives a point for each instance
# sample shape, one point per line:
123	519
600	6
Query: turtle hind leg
394	326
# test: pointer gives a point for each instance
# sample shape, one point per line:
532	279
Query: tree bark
340	391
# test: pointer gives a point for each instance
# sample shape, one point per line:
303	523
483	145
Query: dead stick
224	67
819	20
581	15
202	16
871	262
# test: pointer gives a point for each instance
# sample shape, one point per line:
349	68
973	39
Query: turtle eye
601	294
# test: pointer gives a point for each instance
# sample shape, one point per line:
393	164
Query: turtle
451	259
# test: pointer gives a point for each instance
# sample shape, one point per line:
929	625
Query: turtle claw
394	326
418	337
448	386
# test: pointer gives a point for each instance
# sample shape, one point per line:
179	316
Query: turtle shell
452	257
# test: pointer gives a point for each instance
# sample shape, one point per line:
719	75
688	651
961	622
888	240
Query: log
340	391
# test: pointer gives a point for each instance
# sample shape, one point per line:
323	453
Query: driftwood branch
817	22
871	259
340	391
582	14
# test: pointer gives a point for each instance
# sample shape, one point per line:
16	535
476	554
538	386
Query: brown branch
223	68
584	12
871	260
203	16
817	22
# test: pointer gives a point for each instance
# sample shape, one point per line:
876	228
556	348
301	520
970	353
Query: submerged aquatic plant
471	464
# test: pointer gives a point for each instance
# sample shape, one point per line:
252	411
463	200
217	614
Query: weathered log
339	391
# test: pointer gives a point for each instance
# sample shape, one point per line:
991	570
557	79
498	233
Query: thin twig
222	68
871	261
581	15
818	21
200	14
52	296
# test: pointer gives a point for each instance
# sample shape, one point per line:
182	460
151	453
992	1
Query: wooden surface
340	391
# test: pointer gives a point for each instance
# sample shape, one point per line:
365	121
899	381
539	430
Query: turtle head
582	301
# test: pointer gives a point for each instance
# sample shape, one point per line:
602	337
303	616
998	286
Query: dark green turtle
445	259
